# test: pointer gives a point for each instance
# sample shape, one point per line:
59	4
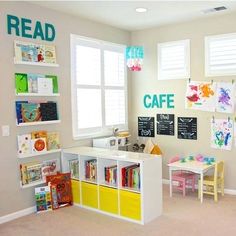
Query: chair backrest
174	159
219	170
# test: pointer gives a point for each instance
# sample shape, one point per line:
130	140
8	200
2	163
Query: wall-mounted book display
187	128
38	143
165	124
36	84
29	111
146	127
34	54
34	173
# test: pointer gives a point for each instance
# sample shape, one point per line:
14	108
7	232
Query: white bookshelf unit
139	204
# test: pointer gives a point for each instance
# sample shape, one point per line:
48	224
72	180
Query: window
174	60
220	55
99	87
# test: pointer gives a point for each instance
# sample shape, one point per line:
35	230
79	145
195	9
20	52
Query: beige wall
12	197
146	82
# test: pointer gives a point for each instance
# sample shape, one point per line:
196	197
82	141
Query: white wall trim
17	214
227	191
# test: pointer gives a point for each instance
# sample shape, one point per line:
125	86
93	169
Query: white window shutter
174	60
220	55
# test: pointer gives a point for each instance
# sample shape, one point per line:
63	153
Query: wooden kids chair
183	178
214	183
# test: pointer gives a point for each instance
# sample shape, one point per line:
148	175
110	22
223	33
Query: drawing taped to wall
200	95
221	133
225	97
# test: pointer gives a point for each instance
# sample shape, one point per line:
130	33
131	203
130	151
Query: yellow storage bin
108	199
89	194
75	187
130	205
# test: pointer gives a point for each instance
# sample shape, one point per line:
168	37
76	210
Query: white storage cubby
137	204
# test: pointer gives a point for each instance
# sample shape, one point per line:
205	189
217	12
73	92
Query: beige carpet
181	216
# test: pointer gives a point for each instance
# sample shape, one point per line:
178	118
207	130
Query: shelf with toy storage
38	150
126	185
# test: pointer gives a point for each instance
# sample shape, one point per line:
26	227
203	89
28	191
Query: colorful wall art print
200	95
221	133
134	57
225	97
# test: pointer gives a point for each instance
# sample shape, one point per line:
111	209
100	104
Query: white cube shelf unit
140	203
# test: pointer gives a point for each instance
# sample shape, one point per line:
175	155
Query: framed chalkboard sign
187	128
146	127
166	124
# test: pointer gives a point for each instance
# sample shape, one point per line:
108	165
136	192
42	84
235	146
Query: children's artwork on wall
200	95
225	97
134	57
221	133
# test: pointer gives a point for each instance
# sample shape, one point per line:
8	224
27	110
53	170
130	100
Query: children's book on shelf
43	199
45	86
33	82
54	82
18	111
61	192
49	111
21	83
30	172
110	174
53	141
50	167
39	145
30	112
74	168
50	54
131	176
24	144
91	169
31	52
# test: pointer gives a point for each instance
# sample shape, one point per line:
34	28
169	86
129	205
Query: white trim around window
98	87
173	60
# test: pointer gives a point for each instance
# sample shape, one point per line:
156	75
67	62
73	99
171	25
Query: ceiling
121	14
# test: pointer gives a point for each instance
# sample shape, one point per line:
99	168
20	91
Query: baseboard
226	191
17	214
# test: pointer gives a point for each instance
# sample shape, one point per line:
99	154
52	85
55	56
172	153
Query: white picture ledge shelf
35	63
39	123
37	95
38	153
32	184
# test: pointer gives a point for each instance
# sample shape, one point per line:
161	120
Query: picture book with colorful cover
74	168
30	172
30	112
33	82
25	51
53	141
24	144
50	54
21	83
50	167
43	199
39	145
19	111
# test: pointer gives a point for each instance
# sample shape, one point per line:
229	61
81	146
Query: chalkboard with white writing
165	124
146	127
187	128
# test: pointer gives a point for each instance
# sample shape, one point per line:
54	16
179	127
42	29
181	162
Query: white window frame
208	71
103	130
186	44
